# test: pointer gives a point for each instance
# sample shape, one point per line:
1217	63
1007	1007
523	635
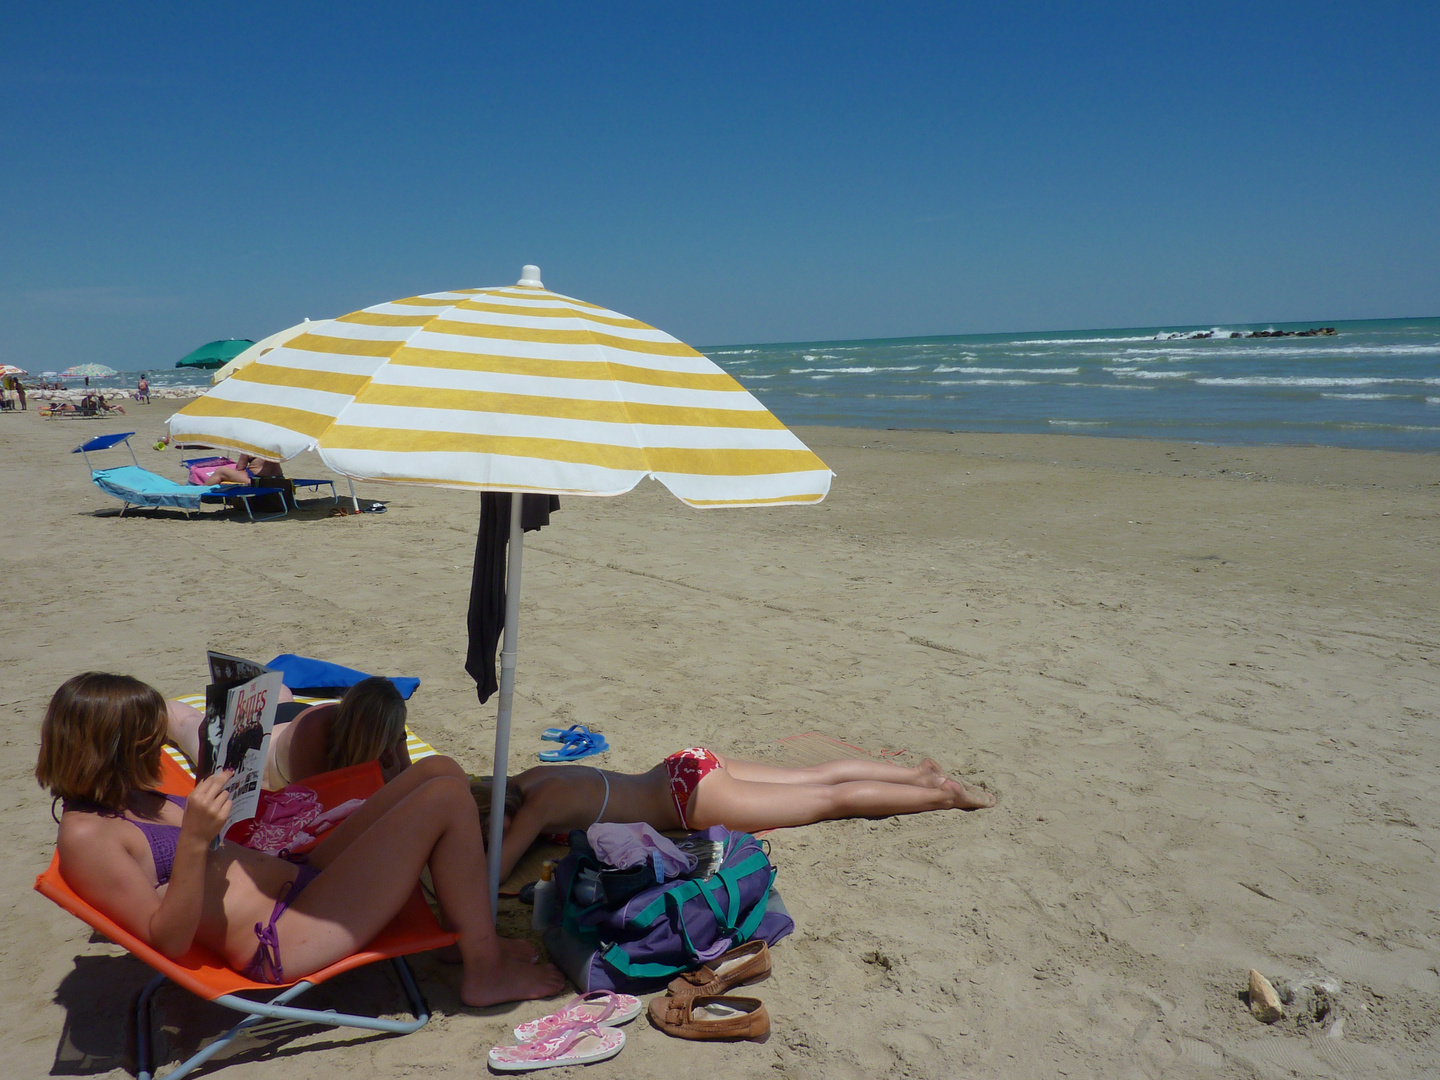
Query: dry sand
1202	680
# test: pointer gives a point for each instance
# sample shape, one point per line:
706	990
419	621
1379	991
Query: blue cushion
303	673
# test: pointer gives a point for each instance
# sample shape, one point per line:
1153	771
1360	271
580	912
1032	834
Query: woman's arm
173	925
100	867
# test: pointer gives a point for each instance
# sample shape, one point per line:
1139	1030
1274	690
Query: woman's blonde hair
101	739
369	720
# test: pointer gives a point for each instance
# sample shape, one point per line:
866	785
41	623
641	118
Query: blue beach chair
135	486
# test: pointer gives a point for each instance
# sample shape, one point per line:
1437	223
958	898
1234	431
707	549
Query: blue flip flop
580	746
555	734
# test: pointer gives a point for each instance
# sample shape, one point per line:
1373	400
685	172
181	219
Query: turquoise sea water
1375	385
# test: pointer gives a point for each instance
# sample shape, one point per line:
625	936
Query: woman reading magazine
145	859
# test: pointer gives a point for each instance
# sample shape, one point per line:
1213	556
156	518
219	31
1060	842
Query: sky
731	173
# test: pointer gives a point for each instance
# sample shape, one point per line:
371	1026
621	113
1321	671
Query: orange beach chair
203	973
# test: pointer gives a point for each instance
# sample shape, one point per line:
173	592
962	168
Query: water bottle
544	913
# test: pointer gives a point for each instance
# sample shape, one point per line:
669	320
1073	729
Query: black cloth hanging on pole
486	618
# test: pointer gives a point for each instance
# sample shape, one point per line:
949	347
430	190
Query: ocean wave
835	370
942	370
1364	397
1281	349
1303	381
1130	373
984	382
1079	423
1075	341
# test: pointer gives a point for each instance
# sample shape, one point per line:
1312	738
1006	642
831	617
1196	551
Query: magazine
235	734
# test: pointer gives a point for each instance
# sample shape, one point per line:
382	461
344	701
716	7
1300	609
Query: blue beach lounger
135	486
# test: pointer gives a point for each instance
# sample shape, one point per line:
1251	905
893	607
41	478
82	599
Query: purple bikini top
162	838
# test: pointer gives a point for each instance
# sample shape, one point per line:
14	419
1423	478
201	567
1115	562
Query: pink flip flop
578	1045
603	1008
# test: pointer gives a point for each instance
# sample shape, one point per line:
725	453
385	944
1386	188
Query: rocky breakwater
1200	335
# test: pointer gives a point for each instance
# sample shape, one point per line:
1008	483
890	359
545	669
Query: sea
1373	385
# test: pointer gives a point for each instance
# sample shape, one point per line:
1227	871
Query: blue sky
732	173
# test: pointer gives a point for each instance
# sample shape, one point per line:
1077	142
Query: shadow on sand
99	996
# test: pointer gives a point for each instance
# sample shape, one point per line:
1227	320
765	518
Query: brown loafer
746	964
710	1017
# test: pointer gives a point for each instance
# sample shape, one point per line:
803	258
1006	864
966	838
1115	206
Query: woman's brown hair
482	791
101	739
369	720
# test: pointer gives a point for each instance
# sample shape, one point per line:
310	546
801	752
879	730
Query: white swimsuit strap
606	802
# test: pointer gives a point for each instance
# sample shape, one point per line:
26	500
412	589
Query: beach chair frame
413	930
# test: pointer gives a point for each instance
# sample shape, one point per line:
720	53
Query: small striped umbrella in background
88	371
514	389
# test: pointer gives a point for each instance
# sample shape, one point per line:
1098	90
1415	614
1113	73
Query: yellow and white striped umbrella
514	388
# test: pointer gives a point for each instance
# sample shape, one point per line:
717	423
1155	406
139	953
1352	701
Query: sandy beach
1202	681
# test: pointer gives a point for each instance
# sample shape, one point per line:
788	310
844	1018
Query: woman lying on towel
144	858
367	724
697	788
248	470
692	789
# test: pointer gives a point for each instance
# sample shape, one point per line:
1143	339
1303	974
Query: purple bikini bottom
265	966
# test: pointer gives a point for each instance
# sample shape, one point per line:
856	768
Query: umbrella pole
354	502
507	698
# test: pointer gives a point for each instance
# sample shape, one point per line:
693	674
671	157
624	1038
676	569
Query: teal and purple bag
644	941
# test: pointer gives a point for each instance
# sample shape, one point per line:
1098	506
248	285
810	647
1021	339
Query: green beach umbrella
214	354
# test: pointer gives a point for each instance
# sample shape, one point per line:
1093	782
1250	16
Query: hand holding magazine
239	715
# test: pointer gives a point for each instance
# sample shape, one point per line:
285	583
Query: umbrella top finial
530	277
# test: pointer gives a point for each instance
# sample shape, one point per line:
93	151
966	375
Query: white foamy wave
1290	349
1432	401
1297	381
942	370
985	382
1129	373
1363	397
835	370
1079	423
1080	341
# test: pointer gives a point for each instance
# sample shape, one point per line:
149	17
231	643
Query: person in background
142	391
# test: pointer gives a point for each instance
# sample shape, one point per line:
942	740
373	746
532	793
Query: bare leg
720	799
184	729
226	475
926	774
370	866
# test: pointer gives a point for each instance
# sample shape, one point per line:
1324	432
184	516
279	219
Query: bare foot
965	797
518	949
512	979
929	774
